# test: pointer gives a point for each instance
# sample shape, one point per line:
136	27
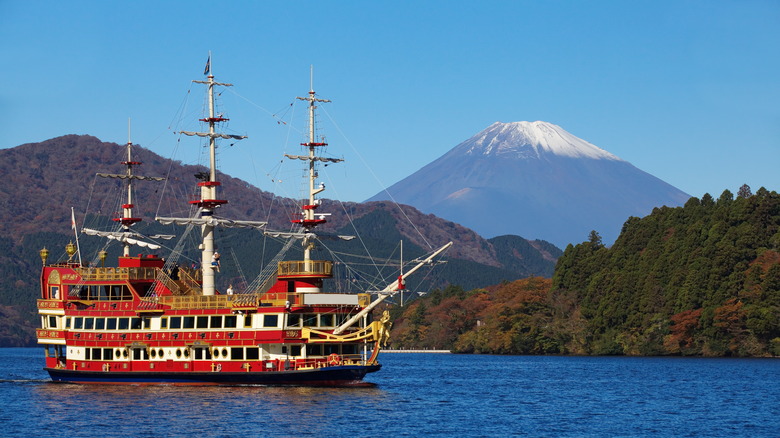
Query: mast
127	218
308	221
126	236
208	201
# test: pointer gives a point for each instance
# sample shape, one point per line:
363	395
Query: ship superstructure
148	320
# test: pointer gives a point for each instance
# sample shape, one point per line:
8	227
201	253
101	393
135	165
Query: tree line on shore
702	280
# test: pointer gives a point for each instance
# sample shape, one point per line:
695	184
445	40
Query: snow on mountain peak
532	140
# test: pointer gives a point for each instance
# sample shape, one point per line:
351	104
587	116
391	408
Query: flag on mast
208	66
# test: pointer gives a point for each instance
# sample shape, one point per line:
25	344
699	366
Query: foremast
127	220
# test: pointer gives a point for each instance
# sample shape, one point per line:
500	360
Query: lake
420	394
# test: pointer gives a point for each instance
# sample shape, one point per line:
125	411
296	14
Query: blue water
419	394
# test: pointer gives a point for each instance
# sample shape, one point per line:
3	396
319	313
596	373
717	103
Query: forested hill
703	279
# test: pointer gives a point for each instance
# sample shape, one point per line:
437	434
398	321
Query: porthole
178	353
160	353
117	354
153	353
124	354
216	352
224	352
187	353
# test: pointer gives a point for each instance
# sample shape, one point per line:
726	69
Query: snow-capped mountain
535	180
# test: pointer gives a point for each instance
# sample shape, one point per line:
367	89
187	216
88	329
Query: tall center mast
208	201
309	221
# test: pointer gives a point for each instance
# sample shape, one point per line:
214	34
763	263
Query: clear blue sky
688	91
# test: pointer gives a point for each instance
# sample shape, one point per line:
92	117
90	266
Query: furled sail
212	221
307	158
143	178
214	135
121	237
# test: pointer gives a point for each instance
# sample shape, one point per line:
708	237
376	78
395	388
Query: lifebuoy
334	359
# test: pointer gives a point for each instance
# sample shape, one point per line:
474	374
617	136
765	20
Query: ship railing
185	302
114	274
299	268
312	363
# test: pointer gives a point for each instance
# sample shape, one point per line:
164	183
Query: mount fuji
535	180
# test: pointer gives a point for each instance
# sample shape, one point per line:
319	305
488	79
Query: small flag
208	66
72	219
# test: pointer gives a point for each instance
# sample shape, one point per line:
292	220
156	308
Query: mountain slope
535	180
58	174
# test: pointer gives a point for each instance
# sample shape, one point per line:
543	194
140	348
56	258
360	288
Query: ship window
203	322
96	354
111	324
178	352
189	322
230	321
160	353
118	353
87	353
175	322
284	349
252	353
247	321
187	352
349	349
330	349
100	323
327	320
78	323
314	350
104	291
89	323
270	320
237	353
54	292
53	322
216	322
67	323
148	323
124	323
310	320
224	352
108	353
340	318
295	350
293	320
135	323
154	353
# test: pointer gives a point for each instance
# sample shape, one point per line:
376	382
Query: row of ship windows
194	322
226	353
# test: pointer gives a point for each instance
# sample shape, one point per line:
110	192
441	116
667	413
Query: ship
147	320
